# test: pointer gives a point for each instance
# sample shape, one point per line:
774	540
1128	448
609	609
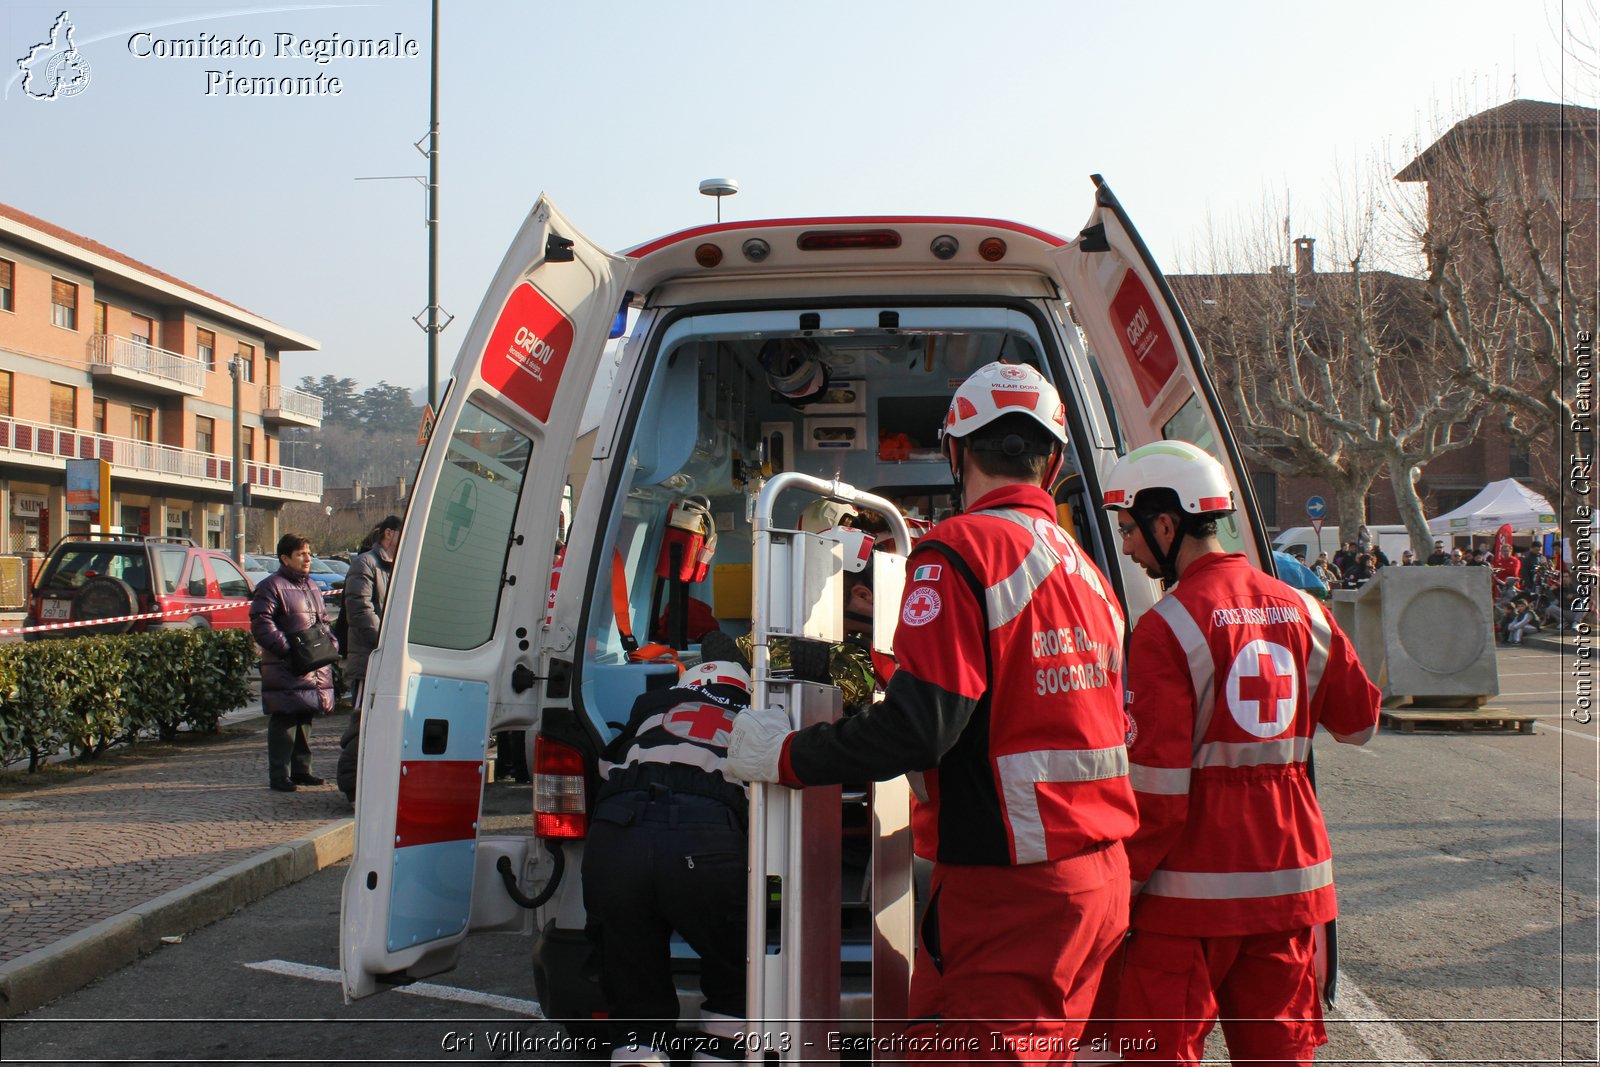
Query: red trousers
1163	994
1009	958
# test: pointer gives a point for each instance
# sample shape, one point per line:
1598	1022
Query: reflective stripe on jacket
1230	674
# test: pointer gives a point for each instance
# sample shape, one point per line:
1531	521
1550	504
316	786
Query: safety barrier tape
45	627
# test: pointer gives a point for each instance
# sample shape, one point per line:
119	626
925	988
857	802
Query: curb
44	974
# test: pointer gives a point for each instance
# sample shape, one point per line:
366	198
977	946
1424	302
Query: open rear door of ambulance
466	600
1126	309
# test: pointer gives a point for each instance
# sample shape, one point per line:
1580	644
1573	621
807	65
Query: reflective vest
677	738
1230	674
1041	771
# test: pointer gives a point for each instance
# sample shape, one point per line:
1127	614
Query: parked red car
113	577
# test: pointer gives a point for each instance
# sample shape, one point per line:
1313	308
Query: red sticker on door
528	351
1151	354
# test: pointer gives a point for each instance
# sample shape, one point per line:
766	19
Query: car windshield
320	567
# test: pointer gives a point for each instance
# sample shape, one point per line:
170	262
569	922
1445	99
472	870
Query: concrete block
1424	634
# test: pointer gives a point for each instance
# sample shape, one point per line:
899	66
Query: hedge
89	693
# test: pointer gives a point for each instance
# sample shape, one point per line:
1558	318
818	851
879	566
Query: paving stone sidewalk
75	855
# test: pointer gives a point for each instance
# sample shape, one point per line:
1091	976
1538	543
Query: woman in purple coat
286	603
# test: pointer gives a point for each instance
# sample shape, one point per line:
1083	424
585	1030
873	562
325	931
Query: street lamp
719	188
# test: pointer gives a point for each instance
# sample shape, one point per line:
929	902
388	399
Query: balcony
290	406
160	466
122	359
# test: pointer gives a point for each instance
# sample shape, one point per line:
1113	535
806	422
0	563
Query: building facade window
8	275
63	304
99	316
63	405
205	434
247	445
5	393
247	362
143	330
144	421
205	348
99	416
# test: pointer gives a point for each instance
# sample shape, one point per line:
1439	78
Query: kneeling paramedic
666	853
1229	675
1006	711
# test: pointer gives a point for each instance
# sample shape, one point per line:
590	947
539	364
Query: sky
1197	114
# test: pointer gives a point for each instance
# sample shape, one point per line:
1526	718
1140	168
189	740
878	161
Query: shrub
91	692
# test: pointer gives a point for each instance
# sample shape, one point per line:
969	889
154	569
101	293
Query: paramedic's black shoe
283	785
718	645
306	779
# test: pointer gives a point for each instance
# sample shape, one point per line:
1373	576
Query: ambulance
747	370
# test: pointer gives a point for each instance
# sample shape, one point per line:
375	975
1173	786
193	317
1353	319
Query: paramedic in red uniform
1006	711
1229	676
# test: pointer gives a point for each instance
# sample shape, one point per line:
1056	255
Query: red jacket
1008	694
1230	674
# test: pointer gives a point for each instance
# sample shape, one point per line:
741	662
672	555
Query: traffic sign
1316	524
1317	507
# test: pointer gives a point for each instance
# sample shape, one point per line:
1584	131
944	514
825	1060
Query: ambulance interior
711	427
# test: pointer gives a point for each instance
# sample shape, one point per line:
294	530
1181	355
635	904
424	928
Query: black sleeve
910	730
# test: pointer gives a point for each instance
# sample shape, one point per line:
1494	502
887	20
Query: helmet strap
958	460
1168	560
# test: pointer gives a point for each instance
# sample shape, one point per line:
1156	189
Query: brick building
103	357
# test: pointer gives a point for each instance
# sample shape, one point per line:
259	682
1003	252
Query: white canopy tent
1507	501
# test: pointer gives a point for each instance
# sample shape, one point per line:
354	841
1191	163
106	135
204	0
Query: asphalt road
1466	865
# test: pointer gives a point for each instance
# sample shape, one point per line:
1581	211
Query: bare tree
1334	374
1507	238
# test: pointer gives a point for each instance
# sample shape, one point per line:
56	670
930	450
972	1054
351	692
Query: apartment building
104	357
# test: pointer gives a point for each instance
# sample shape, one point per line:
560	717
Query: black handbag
312	648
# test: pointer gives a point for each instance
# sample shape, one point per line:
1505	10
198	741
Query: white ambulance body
900	309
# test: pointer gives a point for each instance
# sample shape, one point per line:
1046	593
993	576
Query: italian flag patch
930	573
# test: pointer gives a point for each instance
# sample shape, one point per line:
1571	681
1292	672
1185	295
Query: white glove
757	744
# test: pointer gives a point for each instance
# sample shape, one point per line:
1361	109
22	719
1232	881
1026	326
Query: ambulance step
1407	720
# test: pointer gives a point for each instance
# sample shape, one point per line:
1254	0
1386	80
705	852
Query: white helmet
1188	470
999	389
825	514
795	369
715	672
857	547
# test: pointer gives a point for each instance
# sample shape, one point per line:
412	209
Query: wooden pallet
1406	720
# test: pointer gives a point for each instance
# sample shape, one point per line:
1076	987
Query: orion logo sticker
1263	688
921	606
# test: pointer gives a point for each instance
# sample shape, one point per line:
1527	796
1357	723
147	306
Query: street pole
433	223
235	370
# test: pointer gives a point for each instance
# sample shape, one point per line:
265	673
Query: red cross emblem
702	722
921	606
1263	684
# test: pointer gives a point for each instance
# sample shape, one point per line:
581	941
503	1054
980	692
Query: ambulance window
1190	424
464	547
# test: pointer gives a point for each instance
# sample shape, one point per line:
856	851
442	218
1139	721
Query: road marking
530	1008
1382	1036
1569	733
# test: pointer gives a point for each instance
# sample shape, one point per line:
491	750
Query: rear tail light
708	255
992	249
559	808
831	240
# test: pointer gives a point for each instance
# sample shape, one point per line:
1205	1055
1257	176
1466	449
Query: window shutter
63	404
5	392
5	274
63	293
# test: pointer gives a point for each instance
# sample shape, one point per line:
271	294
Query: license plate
56	609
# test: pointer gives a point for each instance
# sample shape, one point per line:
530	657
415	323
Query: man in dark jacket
666	852
286	603
366	591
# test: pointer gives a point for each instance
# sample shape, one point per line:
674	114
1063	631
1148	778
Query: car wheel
105	597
